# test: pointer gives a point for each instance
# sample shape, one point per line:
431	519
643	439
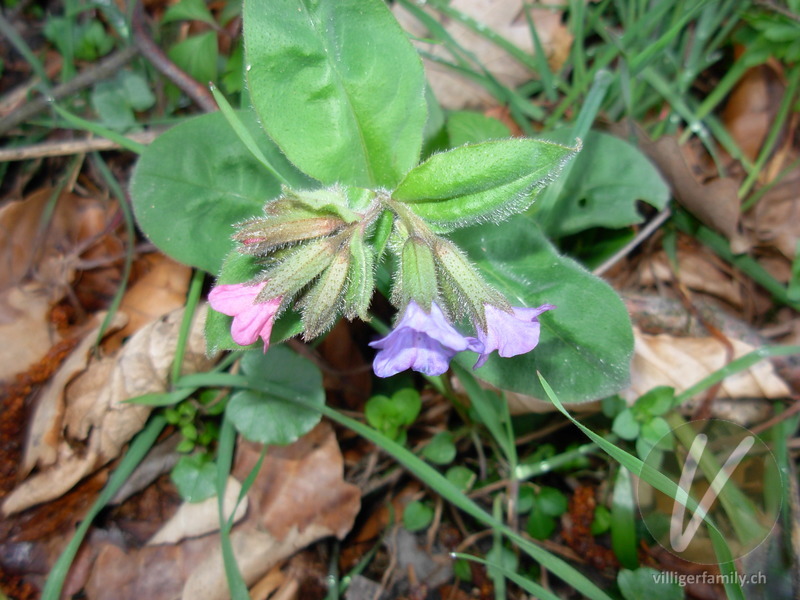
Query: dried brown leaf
752	106
160	290
97	421
298	497
48	414
680	362
715	203
775	220
194	519
24	328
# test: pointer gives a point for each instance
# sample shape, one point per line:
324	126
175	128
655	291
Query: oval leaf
270	417
197	179
338	86
586	342
481	182
603	186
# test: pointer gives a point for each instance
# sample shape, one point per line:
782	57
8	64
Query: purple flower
510	333
251	320
422	342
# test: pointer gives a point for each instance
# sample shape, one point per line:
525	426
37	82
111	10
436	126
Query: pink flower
510	333
251	320
420	341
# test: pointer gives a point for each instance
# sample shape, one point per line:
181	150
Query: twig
150	50
778	9
68	147
104	69
646	232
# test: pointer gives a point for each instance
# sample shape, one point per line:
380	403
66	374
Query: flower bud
320	306
260	236
417	277
470	290
361	279
297	268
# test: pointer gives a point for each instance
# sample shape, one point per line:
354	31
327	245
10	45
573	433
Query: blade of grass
665	485
741	512
130	235
236	585
545	205
787	104
244	134
498	577
21	46
485	32
529	471
485	404
533	588
139	447
735	366
540	58
623	524
192	299
100	130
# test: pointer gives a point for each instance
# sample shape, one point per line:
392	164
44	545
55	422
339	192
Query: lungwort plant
318	193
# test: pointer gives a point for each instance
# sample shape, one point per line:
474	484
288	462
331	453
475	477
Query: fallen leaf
775	219
194	519
681	362
97	421
752	106
507	19
298	497
715	203
40	263
698	269
160	290
301	484
23	322
47	417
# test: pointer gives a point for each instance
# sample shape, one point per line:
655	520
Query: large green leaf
586	342
265	416
338	86
196	180
603	185
479	182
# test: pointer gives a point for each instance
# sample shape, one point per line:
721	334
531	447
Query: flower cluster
318	249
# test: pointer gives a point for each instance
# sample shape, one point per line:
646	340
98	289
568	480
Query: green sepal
361	280
489	181
261	235
321	305
470	290
384	225
297	268
417	279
